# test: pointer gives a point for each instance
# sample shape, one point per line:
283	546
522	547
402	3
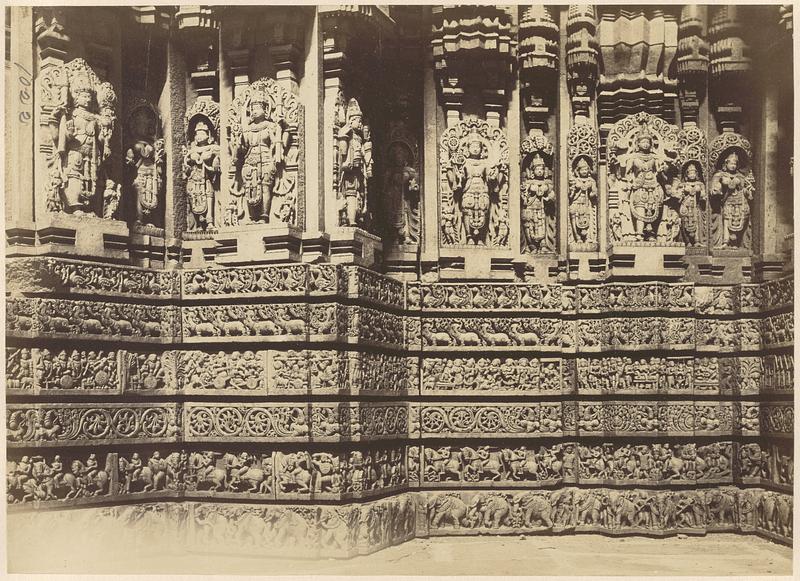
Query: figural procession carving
268	293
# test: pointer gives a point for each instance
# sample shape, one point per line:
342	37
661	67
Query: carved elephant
446	509
488	511
535	509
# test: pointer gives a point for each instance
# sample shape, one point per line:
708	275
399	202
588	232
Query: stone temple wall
322	280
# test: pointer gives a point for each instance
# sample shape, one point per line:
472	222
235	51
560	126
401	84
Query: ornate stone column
583	198
539	194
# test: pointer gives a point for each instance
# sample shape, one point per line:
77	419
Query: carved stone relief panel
473	168
353	164
538	196
263	142
732	191
145	163
201	166
643	160
77	111
402	187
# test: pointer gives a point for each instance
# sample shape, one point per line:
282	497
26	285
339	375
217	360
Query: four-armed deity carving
353	159
474	166
79	110
145	162
201	165
262	121
643	163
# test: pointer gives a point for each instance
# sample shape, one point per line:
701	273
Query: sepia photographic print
399	289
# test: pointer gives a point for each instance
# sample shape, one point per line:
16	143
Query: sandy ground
716	554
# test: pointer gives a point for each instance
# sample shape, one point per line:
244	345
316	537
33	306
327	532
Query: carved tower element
473	159
731	64
732	191
201	164
145	164
643	164
692	62
78	114
262	141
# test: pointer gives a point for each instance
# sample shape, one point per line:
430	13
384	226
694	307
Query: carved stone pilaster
582	59
731	64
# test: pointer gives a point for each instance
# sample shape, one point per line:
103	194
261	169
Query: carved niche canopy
201	165
264	146
78	114
473	158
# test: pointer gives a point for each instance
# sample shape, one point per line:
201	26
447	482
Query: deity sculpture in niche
582	203
538	214
145	163
582	194
201	165
474	167
262	127
79	111
691	195
731	191
643	160
401	188
353	160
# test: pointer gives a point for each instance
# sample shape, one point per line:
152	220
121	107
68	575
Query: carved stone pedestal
586	265
458	263
402	262
356	246
87	236
728	266
658	260
148	247
540	267
258	244
316	247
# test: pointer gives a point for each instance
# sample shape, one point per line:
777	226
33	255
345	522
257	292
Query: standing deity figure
732	189
470	181
84	116
643	173
402	193
201	168
691	196
145	161
538	196
582	201
354	157
260	149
